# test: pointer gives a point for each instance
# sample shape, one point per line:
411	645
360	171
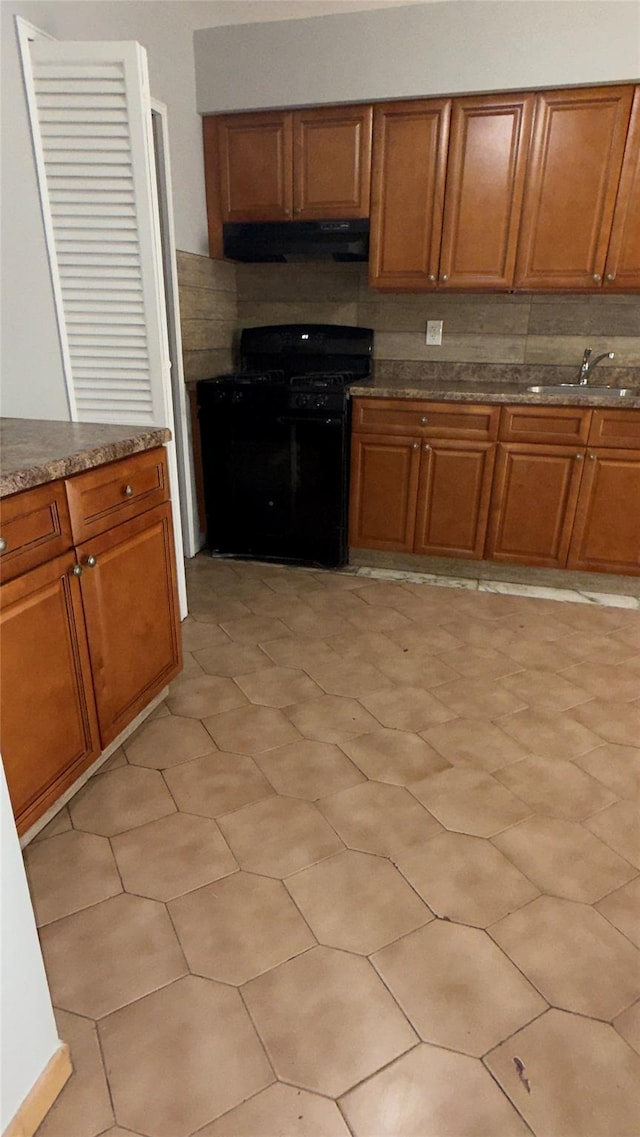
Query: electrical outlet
433	337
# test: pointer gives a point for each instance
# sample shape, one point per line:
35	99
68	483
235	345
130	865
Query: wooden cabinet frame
90	636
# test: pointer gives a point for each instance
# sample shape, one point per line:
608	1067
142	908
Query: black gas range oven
275	443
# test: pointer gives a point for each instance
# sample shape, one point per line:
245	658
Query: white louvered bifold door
91	120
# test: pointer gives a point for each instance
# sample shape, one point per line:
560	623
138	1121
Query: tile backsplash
217	298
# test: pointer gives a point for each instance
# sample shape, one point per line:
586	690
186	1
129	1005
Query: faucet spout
588	364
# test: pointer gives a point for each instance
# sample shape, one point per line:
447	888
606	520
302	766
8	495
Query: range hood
265	241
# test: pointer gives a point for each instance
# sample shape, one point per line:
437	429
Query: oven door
276	484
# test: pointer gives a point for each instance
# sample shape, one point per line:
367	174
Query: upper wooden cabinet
485	184
448	223
622	270
572	182
331	162
409	165
281	165
252	156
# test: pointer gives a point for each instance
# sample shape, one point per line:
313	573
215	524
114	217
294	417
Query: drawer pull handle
3	544
77	570
424	420
91	561
128	491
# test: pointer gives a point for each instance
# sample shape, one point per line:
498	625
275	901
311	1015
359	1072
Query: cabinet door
131	615
255	160
453	498
606	535
331	162
533	504
384	487
485	184
622	271
48	731
572	181
408	177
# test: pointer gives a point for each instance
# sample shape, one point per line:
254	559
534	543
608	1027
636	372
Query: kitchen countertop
35	451
484	390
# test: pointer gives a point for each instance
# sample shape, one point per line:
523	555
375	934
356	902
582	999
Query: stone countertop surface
36	451
484	390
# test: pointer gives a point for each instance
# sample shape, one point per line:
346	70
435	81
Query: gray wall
424	49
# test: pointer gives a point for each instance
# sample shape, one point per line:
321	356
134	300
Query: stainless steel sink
576	389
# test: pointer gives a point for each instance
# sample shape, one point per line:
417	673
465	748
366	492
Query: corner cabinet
622	270
89	635
281	165
572	184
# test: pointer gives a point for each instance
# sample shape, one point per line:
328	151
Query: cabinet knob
427	447
91	561
579	457
432	278
127	491
415	445
592	457
3	545
287	213
424	420
611	276
77	570
597	277
444	278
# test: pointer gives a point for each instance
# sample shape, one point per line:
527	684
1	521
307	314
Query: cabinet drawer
557	425
36	527
615	428
117	492
428	420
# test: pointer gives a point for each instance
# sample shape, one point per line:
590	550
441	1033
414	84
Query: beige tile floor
372	869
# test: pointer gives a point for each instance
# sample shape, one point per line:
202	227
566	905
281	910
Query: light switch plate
433	337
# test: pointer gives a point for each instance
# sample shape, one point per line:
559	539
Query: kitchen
242	290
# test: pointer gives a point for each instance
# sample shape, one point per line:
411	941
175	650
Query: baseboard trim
42	1095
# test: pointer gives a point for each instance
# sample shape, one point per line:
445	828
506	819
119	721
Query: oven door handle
294	420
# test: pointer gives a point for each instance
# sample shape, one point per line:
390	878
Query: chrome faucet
588	365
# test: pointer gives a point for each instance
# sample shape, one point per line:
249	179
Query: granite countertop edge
482	392
35	452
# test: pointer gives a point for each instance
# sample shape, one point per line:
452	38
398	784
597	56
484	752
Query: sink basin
575	389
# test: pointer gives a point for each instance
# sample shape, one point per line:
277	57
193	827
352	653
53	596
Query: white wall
425	49
29	1035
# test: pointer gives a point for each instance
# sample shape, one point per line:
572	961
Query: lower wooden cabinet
544	495
606	534
453	498
128	587
534	499
49	730
88	638
384	490
408	495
